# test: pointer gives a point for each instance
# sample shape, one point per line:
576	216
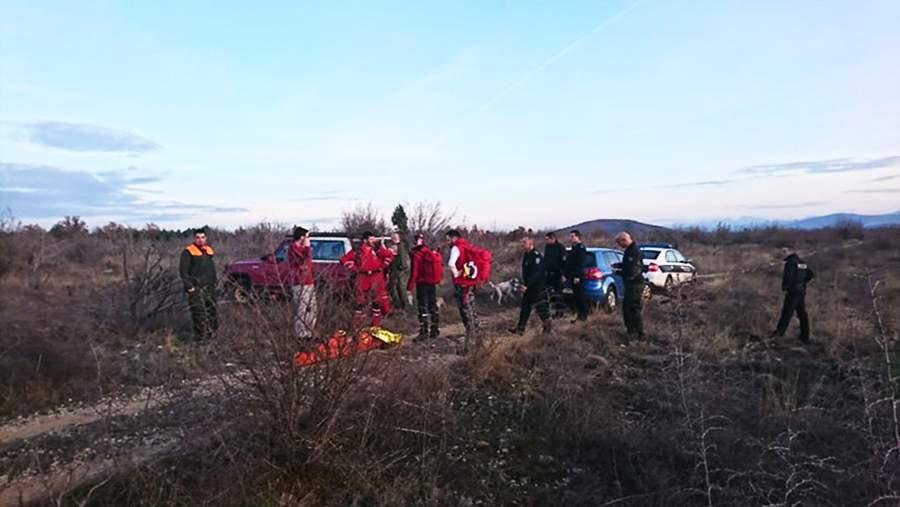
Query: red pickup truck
266	275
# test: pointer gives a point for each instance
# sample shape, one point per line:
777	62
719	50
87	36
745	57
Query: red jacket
301	265
417	274
366	260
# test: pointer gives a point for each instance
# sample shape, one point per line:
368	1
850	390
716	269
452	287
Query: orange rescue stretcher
341	345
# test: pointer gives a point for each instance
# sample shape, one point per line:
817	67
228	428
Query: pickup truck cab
267	275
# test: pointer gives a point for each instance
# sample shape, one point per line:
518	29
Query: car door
686	268
672	266
615	259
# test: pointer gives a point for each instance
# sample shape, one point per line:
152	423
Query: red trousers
371	296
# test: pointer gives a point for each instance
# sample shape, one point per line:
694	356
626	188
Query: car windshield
327	249
650	253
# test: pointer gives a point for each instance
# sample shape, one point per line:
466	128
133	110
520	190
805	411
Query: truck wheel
647	293
670	283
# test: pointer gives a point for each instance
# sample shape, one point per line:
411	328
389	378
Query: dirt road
44	456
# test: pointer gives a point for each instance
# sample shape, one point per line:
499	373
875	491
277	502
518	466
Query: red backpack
432	266
481	259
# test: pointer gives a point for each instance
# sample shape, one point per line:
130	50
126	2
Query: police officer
793	282
632	271
197	268
574	272
554	259
535	294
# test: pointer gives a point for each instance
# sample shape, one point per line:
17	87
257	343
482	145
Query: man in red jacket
368	262
463	285
425	275
303	290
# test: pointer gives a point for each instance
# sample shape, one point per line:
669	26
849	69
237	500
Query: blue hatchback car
604	287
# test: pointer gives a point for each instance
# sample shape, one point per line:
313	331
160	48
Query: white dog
507	289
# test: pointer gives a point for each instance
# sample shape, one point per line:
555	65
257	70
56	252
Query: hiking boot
435	332
516	330
546	328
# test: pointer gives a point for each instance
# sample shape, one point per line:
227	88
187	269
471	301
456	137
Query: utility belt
369	273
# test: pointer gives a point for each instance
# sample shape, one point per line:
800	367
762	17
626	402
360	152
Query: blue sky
510	113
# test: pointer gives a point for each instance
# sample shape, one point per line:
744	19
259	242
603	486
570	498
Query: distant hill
613	226
818	222
833	219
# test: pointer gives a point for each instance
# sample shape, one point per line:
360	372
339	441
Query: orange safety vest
195	251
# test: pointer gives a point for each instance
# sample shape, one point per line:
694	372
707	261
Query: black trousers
631	308
202	302
538	300
579	300
426	301
554	289
794	302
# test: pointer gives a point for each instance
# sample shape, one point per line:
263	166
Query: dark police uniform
575	269
554	259
793	282
534	276
633	274
197	268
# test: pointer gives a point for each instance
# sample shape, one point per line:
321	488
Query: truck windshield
327	250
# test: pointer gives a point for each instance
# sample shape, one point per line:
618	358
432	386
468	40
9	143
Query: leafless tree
429	218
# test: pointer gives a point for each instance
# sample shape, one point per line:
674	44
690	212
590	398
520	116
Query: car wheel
670	283
647	293
611	301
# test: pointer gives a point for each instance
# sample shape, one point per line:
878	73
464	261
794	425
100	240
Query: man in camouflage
197	268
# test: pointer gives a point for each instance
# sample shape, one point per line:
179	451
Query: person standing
574	272
398	272
554	259
425	275
534	276
368	262
197	268
632	271
796	276
463	285
303	289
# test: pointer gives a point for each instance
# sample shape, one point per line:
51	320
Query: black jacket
197	268
554	257
796	274
633	265
534	275
575	261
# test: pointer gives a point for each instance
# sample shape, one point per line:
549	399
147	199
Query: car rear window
590	260
651	253
327	249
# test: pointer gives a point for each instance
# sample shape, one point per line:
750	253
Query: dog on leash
508	289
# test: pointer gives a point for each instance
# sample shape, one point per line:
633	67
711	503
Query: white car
666	267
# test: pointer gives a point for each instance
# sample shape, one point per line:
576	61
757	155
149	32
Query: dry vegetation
706	413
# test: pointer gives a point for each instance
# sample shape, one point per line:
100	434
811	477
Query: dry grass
709	412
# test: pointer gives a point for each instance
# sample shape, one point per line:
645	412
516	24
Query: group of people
384	274
545	275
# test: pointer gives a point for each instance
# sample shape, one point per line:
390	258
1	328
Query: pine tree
400	221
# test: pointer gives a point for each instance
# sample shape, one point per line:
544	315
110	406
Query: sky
509	113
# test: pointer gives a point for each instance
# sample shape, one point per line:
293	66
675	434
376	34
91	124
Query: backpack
432	266
478	264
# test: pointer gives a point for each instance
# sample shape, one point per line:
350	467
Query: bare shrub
362	218
430	219
847	229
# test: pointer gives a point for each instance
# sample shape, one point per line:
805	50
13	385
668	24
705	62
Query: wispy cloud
887	178
837	165
708	183
876	191
787	205
328	195
40	192
84	137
